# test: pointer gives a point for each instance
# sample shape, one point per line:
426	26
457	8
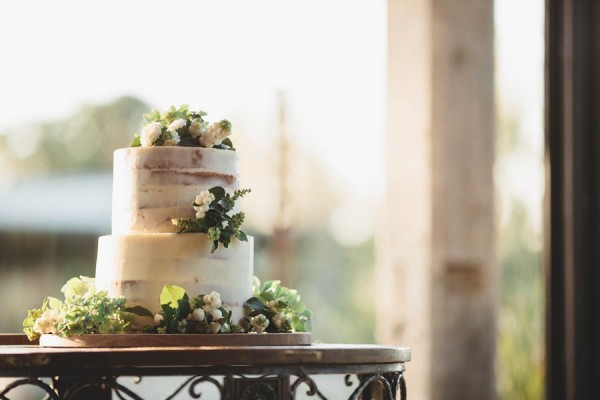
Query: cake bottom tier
137	266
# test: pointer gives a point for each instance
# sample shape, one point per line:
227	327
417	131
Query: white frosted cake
151	186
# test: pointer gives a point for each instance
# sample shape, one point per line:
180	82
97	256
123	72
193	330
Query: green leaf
54	303
183	308
267	296
242	236
218	191
137	142
171	294
140	311
227	142
254	304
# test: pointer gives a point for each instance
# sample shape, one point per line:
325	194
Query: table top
16	356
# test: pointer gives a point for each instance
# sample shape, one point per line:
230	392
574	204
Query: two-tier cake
152	185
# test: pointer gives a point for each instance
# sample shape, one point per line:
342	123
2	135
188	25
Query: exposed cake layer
152	185
137	266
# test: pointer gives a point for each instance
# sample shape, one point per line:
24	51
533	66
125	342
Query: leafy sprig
277	302
83	311
217	222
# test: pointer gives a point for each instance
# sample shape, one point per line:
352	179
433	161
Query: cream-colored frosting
137	266
152	185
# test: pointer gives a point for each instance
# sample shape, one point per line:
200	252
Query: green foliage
177	314
521	339
29	322
83	311
220	227
272	300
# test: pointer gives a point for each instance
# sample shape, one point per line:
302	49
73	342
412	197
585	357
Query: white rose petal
207	308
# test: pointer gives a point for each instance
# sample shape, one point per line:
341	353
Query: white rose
198	315
177	124
150	133
216	314
207	308
215	327
200	213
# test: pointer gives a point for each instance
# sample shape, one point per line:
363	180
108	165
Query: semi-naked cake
151	186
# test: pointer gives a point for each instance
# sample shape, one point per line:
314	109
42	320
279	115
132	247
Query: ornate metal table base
365	372
234	386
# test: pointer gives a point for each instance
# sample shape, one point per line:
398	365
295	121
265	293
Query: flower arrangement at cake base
86	317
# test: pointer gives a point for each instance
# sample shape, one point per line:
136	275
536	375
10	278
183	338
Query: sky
227	58
232	58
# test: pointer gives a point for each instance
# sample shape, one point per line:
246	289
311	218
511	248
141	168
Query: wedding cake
162	180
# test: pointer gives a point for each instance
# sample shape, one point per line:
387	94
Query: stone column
436	269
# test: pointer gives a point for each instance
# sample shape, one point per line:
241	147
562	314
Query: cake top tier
151	186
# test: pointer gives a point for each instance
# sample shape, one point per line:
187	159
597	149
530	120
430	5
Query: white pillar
436	263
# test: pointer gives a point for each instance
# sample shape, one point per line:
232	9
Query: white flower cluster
259	323
215	134
212	303
47	322
82	286
153	131
201	204
150	133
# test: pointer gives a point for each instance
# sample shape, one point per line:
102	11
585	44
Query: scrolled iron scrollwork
368	381
51	394
348	380
313	390
202	379
75	391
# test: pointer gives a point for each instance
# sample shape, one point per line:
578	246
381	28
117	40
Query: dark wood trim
572	240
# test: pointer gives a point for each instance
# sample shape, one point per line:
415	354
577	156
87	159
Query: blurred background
304	84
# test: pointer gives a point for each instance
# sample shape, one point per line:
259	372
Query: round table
236	372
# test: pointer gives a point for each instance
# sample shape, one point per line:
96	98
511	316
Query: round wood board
176	340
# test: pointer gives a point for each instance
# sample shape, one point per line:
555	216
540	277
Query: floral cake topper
182	127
